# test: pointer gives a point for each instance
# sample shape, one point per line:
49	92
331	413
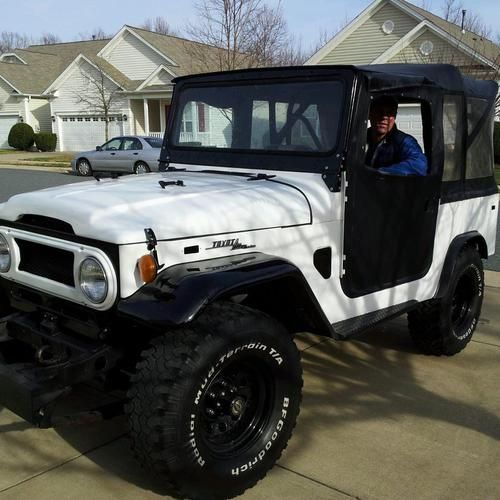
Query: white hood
118	210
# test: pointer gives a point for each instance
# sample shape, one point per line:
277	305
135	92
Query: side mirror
98	148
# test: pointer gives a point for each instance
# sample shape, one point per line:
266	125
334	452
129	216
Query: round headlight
93	281
4	255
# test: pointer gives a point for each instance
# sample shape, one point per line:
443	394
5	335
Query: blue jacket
397	153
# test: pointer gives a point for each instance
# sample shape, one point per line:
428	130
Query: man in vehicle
390	150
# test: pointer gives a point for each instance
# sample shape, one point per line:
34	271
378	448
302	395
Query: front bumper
39	364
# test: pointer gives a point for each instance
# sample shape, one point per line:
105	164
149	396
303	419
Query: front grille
52	263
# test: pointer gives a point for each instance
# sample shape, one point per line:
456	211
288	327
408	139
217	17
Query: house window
72	119
426	48
388	27
95	119
65	119
187	120
80	119
87	119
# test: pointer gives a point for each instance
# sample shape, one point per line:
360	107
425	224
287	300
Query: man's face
382	119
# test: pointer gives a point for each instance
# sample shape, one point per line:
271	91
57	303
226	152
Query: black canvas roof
380	76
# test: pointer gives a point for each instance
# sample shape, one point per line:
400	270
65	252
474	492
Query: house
56	88
396	31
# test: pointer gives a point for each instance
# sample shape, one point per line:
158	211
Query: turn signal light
147	268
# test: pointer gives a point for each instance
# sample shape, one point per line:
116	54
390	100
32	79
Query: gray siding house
53	87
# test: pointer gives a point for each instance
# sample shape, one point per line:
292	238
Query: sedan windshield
298	116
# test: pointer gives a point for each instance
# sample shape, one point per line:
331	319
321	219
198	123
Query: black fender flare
179	293
469	238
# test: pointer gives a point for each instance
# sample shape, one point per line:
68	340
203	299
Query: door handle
112	154
135	154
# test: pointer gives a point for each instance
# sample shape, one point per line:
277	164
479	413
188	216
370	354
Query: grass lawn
65	158
7	151
497	173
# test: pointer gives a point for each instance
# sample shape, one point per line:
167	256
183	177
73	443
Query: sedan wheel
141	168
83	167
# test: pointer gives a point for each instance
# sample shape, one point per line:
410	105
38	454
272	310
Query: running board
351	326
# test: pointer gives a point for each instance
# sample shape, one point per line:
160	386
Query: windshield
298	116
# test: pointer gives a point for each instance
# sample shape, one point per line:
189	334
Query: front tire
213	406
83	167
445	325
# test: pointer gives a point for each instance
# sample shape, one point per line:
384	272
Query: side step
348	327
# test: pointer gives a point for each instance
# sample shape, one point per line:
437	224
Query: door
130	153
390	221
6	123
84	133
109	157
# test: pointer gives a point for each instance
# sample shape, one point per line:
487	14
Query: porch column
162	116
146	117
26	107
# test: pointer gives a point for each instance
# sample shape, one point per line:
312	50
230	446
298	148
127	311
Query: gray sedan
133	154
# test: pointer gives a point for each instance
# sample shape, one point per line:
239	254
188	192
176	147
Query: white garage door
409	120
6	122
81	133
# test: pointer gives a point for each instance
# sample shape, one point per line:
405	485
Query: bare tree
95	34
48	39
159	25
100	95
10	40
454	12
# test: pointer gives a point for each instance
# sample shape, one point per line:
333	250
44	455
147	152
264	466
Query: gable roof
47	63
469	42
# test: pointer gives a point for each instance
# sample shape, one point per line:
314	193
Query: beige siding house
53	87
396	31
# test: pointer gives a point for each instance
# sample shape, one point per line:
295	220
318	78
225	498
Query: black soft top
380	77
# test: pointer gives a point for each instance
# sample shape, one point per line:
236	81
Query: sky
306	18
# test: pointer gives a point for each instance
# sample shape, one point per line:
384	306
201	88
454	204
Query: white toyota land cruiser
185	287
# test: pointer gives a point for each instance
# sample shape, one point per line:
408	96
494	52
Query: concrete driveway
378	421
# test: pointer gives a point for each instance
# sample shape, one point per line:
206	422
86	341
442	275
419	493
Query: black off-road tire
445	326
213	405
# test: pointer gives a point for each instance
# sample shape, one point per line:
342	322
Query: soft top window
296	116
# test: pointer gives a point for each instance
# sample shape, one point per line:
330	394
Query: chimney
463	20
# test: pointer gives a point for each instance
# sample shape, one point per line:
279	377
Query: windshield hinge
151	245
333	176
163	184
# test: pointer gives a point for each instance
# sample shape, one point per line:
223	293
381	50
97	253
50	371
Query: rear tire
83	167
445	326
211	407
141	168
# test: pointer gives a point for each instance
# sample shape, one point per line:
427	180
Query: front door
389	224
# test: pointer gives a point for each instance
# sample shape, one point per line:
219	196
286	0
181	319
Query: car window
154	142
130	143
113	144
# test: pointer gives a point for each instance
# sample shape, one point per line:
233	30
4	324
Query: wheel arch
472	238
180	293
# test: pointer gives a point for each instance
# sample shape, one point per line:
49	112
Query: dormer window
11	58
